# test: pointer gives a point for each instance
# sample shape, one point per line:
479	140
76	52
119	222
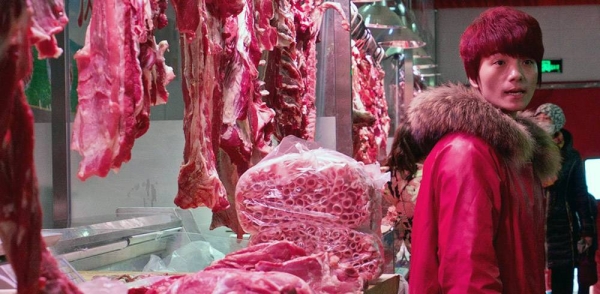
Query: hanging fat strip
23	24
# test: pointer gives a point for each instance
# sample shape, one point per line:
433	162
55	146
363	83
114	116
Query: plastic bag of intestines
320	199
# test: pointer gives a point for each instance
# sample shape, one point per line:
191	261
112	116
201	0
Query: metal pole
61	117
343	83
398	101
409	80
334	83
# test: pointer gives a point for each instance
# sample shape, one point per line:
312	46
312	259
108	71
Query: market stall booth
154	111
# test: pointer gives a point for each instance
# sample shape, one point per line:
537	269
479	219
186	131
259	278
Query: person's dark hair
405	153
502	30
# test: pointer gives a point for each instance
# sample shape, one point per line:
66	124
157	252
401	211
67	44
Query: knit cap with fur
555	113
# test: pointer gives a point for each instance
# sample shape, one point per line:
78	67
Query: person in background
570	225
479	216
587	271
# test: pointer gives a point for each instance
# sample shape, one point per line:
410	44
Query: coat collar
455	108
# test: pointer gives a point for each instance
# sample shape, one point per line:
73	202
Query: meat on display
247	121
319	199
48	19
121	73
292	66
202	54
24	25
357	252
223	93
371	122
227	126
276	267
320	270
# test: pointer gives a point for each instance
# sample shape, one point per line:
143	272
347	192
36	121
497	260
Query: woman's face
545	122
507	82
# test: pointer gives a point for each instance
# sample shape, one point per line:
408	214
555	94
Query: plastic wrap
319	199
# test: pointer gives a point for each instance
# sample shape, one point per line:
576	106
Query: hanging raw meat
122	73
291	67
202	53
226	123
371	122
247	121
23	24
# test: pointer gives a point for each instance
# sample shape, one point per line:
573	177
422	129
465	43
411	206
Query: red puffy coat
479	217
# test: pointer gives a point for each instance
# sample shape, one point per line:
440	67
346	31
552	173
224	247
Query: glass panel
149	179
39	97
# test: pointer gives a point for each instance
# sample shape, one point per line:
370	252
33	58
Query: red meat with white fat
121	74
321	270
321	200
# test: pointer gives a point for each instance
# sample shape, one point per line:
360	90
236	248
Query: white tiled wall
149	179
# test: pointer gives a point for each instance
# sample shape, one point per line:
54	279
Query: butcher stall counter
139	242
386	284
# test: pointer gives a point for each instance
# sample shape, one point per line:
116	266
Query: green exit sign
552	65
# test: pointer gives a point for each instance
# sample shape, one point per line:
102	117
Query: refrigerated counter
142	240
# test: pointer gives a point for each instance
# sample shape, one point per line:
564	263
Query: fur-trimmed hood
455	108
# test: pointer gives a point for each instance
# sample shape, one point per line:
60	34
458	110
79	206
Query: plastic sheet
192	257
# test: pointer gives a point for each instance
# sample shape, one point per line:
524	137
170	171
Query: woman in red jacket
479	217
